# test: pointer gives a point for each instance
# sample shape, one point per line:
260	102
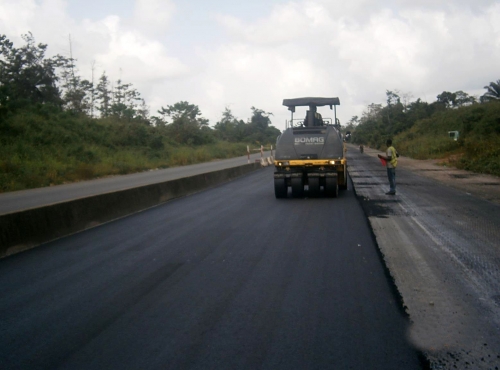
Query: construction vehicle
310	152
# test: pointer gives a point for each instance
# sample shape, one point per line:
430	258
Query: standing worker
392	161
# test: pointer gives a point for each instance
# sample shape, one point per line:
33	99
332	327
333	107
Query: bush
478	144
45	148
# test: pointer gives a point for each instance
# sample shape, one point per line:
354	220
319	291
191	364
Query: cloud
22	11
240	76
355	50
358	50
284	24
153	16
23	16
110	44
138	58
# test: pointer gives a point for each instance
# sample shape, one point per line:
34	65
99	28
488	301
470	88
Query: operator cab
313	118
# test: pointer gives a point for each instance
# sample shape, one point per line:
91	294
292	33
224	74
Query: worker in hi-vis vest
391	157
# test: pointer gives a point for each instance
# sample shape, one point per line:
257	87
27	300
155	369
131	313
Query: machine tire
331	187
297	187
280	188
344	186
314	189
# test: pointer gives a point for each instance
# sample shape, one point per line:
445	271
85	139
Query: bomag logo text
309	140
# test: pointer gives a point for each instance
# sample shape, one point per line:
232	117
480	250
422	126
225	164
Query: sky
236	54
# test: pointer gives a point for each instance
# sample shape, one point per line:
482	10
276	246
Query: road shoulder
438	239
479	185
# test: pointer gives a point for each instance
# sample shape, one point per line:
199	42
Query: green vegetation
39	150
56	127
420	130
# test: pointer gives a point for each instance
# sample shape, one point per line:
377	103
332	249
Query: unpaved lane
478	185
441	245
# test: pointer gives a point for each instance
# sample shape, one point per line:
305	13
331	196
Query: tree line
399	114
31	81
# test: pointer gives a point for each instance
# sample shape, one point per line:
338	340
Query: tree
392	97
186	126
260	129
463	99
418	110
27	77
93	91
182	109
353	121
124	100
373	110
226	128
260	119
142	112
351	124
76	92
393	112
447	99
104	96
406	100
492	93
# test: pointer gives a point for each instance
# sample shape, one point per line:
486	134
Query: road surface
228	278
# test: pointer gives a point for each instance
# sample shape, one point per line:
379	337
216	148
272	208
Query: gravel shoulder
438	237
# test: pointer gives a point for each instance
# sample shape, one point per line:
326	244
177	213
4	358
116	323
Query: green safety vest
394	157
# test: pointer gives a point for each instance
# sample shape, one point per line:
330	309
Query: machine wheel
314	187
280	188
297	187
344	186
331	187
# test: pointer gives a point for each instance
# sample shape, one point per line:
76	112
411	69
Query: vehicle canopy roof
308	102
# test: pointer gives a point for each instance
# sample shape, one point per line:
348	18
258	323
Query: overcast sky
239	54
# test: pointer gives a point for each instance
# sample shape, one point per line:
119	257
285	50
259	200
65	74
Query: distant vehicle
310	152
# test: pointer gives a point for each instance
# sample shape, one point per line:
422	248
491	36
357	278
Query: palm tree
493	92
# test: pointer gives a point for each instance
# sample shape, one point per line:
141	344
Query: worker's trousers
391	174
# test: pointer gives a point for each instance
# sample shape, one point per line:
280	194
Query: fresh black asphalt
229	278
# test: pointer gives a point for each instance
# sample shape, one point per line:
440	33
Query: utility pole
92	91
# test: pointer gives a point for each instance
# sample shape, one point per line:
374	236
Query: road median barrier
29	228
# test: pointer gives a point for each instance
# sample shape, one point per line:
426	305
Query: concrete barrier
29	228
265	161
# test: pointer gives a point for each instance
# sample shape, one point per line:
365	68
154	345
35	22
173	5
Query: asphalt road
228	278
26	199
